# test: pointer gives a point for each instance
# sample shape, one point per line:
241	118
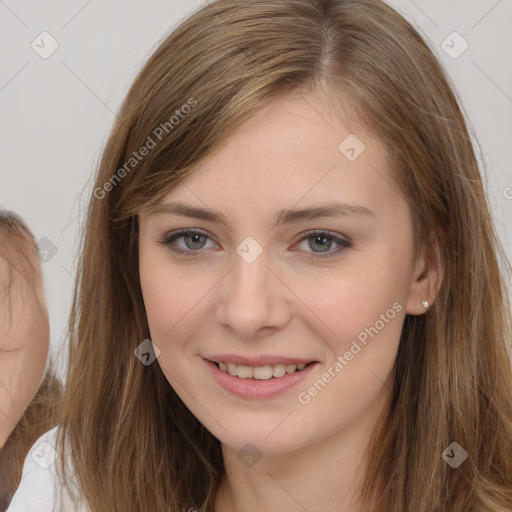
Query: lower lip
255	388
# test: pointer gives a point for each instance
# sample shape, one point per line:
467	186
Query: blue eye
193	241
322	241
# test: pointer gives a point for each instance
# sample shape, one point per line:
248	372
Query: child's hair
133	443
20	262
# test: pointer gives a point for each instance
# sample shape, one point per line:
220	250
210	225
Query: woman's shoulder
40	489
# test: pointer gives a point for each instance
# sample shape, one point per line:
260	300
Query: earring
425	303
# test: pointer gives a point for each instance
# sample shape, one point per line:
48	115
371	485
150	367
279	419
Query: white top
39	489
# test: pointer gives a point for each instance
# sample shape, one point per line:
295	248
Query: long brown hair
19	253
133	443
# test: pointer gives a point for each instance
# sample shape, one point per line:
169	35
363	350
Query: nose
252	299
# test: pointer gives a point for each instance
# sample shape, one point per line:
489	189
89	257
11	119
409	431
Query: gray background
56	112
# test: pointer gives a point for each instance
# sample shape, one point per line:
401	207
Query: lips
263	360
253	388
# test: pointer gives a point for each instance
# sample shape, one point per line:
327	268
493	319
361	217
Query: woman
28	400
289	294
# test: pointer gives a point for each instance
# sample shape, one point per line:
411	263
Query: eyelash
173	236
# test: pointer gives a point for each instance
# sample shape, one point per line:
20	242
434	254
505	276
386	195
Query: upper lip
263	360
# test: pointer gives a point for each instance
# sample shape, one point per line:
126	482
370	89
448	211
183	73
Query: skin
24	345
286	302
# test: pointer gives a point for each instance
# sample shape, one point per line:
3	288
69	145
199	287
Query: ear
427	278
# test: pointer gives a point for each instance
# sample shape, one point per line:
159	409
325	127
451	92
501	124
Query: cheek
7	414
21	374
366	314
172	299
348	303
33	366
164	302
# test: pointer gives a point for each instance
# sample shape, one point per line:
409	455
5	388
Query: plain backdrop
56	110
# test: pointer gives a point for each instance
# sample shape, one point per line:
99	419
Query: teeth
244	372
260	372
290	368
278	370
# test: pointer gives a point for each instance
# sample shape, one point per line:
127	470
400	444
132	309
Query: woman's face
24	345
301	251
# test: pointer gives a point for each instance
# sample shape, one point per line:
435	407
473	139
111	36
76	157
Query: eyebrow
285	216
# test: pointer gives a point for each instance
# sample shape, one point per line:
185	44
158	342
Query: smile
260	372
259	382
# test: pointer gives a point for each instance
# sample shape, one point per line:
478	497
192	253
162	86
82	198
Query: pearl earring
425	303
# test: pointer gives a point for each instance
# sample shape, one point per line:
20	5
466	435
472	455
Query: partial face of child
300	251
24	345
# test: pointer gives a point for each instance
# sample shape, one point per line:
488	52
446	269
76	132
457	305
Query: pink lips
269	360
259	389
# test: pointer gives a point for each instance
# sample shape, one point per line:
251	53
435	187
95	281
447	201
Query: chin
265	437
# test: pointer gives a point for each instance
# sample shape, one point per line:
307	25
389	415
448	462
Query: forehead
293	150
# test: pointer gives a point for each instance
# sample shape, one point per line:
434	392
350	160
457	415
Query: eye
192	241
320	243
